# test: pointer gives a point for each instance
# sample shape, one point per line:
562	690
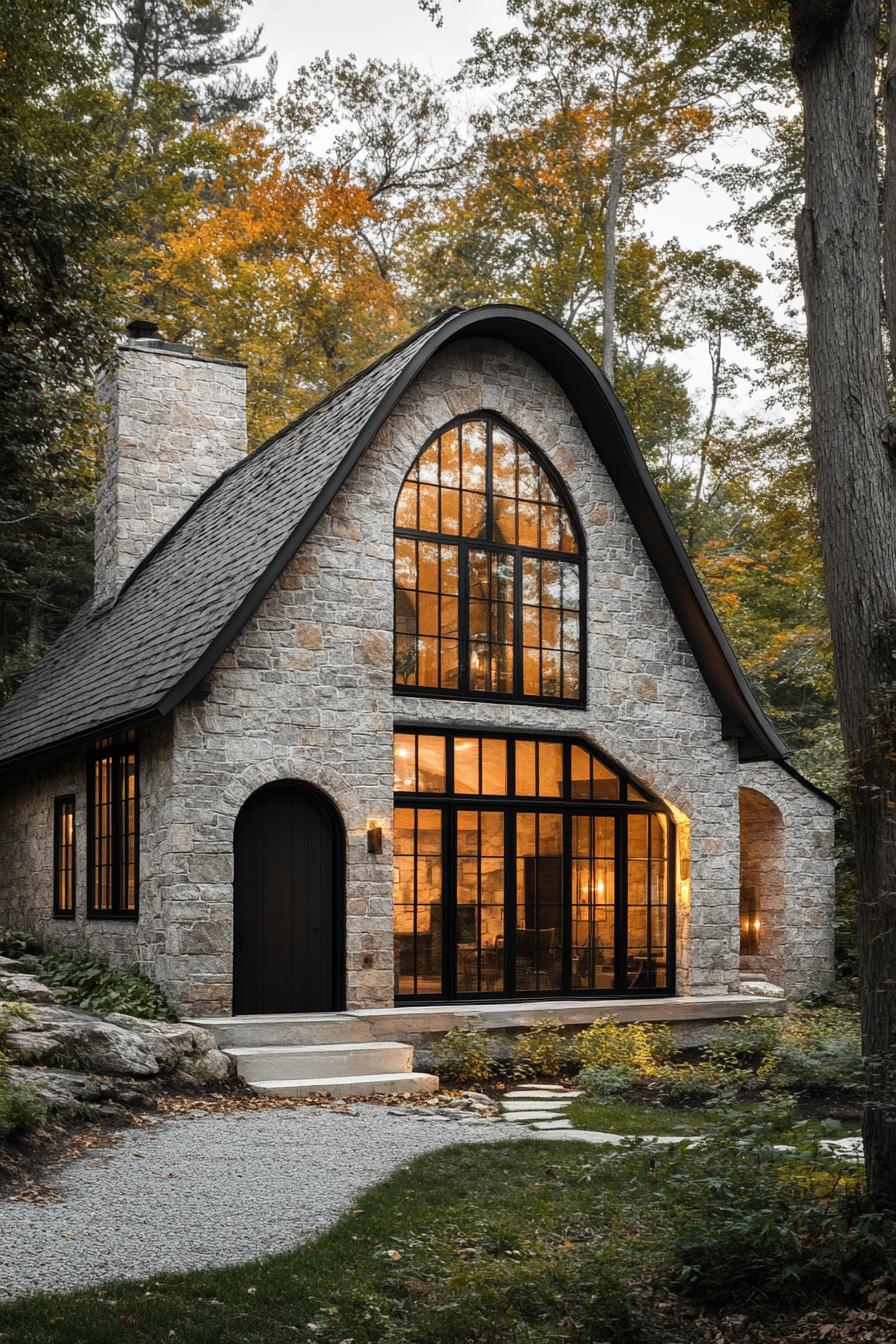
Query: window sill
484	697
128	915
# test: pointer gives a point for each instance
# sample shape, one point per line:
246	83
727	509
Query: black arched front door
288	903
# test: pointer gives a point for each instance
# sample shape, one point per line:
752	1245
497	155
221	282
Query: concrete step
273	1062
286	1029
356	1085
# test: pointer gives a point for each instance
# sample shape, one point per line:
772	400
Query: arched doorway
761	884
288	902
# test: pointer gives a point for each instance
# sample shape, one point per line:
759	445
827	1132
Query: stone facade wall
798	955
175	423
26	860
306	692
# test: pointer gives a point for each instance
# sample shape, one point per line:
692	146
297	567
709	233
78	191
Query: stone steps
306	1054
356	1085
271	1063
287	1029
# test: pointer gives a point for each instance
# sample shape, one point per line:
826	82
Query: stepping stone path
540	1106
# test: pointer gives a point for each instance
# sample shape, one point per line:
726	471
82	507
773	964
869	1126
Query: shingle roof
185	602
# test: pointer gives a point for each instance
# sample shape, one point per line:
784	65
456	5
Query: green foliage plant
15	942
607	1084
463	1056
757	1221
540	1052
90	983
607	1043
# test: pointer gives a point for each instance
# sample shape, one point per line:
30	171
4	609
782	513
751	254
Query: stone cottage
421	703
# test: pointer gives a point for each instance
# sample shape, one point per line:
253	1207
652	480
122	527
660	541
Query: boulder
93	1042
17	985
67	1090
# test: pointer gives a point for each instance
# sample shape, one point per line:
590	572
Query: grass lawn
470	1243
645	1117
634	1117
531	1242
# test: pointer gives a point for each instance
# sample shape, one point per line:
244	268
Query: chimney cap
142	330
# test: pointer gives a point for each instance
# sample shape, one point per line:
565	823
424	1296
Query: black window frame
464	545
450	802
117	750
64	803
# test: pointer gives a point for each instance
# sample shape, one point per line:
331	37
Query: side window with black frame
113	799
64	859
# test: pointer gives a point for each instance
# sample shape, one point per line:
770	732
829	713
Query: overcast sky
396	29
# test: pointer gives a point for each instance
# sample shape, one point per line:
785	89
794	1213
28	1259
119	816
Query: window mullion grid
620	957
449	901
115	827
566	913
463	615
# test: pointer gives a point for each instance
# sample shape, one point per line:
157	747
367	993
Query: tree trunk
838	240
888	203
614	193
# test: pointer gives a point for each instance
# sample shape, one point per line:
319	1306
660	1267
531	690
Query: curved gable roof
136	658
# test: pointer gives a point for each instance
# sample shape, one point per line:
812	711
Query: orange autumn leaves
270	266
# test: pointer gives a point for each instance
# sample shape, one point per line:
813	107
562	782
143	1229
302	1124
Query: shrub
462	1056
98	987
14	942
540	1052
741	1045
829	1066
642	1046
607	1084
21	1109
748	1221
691	1084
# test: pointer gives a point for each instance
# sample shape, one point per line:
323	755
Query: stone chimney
175	422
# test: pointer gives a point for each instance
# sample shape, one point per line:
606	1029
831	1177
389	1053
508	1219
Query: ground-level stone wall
305	692
26	859
796	949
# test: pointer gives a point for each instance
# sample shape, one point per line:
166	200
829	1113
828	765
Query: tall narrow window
64	858
113	829
489	567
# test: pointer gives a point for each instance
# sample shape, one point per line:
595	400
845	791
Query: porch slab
420	1022
691	1017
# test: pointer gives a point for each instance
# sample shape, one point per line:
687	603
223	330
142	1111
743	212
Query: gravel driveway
209	1189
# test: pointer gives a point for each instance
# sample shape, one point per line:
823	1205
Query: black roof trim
150	647
807	784
580	379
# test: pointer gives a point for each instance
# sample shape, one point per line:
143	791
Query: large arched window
489	570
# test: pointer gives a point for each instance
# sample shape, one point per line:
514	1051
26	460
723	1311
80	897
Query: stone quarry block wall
26	860
306	692
175	423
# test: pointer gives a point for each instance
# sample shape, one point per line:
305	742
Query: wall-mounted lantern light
374	838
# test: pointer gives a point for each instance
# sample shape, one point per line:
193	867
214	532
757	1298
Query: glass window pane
431	764
450	473
494	765
550	769
406	508
525	769
466	765
405	774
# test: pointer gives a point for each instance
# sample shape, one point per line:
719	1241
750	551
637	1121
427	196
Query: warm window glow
488	571
113	836
527	866
64	858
